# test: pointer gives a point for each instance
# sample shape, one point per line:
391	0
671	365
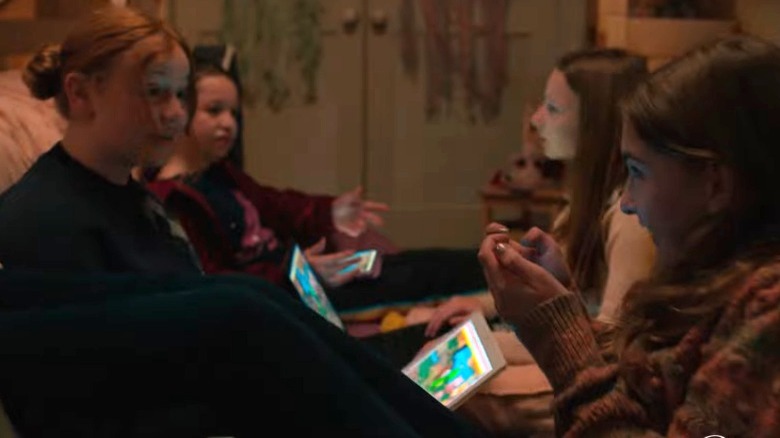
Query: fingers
434	324
315	249
372	218
498	254
496	228
492	282
487	248
356	192
486	255
375	206
525	251
532	236
454	308
341	258
538	239
368	204
351	197
501	256
500	233
339	279
490	266
351	230
510	259
329	266
457	319
376	270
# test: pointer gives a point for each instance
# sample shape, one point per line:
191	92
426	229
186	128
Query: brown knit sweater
722	377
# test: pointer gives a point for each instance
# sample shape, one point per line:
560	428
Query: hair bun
42	73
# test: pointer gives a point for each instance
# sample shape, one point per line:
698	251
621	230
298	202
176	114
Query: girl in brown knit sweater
698	345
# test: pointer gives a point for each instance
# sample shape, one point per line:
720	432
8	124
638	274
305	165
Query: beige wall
197	20
760	17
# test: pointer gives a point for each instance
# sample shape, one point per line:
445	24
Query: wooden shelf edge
20	36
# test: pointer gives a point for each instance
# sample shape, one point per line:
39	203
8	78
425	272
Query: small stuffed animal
529	169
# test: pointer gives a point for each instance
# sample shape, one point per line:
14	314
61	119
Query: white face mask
557	118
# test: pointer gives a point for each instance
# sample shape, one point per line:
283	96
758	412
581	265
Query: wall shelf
659	39
20	36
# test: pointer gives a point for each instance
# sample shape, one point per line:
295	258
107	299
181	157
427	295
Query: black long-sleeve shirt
62	216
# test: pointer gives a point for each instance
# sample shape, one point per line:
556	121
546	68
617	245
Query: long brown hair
719	103
600	78
91	47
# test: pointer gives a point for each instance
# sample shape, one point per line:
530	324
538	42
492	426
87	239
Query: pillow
28	127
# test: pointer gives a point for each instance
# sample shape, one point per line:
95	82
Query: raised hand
516	283
328	266
547	254
352	215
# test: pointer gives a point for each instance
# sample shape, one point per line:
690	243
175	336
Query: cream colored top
630	255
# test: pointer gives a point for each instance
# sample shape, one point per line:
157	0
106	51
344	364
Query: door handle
350	19
379	21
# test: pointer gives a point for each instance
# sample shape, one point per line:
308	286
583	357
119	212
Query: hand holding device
362	261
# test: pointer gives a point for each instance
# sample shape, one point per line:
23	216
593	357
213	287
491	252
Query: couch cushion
28	127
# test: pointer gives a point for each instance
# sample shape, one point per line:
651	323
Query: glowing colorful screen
453	366
309	288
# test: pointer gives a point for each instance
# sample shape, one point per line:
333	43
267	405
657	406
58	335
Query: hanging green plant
272	38
308	47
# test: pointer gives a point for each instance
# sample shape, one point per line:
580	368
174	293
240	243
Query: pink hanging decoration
467	51
438	53
409	57
441	46
497	77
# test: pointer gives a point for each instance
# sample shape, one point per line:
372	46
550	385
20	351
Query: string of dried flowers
271	38
453	43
